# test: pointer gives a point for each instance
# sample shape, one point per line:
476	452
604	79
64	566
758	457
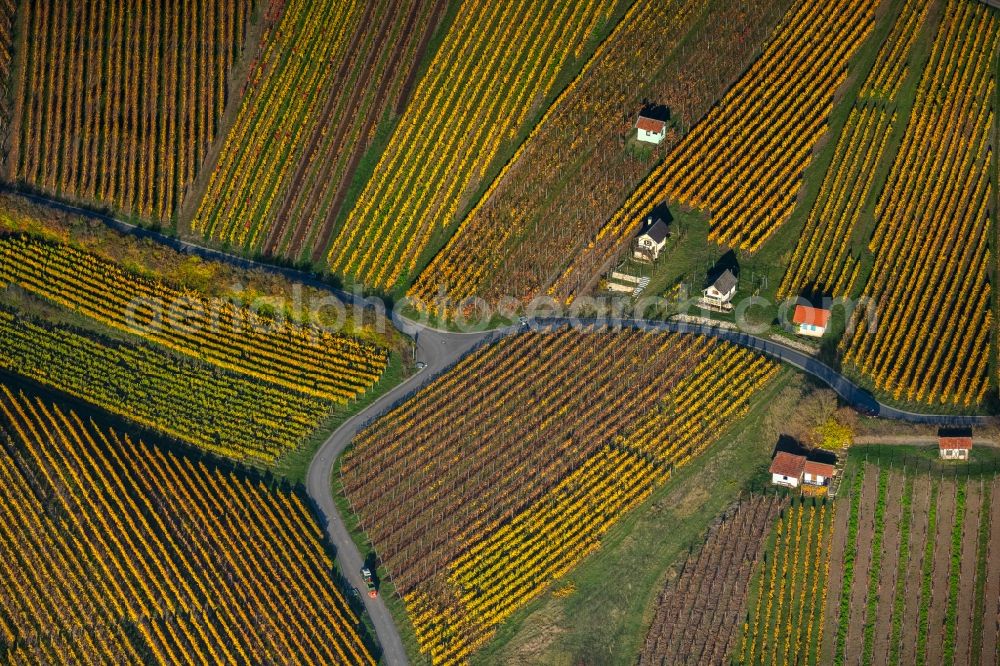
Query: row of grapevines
304	359
496	63
584	388
893	59
930	284
744	161
822	262
118	101
559	441
8	17
516	561
718	575
117	552
583	124
786	621
222	412
542	214
328	73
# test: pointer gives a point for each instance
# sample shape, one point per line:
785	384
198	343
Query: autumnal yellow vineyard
785	614
516	482
744	161
328	73
571	174
495	65
118	101
823	261
303	359
116	552
225	413
502	218
927	336
894	59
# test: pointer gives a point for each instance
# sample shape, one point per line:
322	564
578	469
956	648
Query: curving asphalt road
850	392
439	350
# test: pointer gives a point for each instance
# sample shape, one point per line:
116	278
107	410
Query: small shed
810	321
954	448
650	130
786	469
652	240
817	473
720	292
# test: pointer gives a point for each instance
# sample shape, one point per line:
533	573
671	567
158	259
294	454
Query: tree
832	434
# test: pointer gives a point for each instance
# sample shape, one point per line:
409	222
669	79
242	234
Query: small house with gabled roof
720	292
954	448
650	130
786	469
810	321
792	470
652	240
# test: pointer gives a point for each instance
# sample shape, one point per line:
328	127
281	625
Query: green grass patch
984	461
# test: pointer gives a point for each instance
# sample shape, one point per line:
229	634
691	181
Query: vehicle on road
369	582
